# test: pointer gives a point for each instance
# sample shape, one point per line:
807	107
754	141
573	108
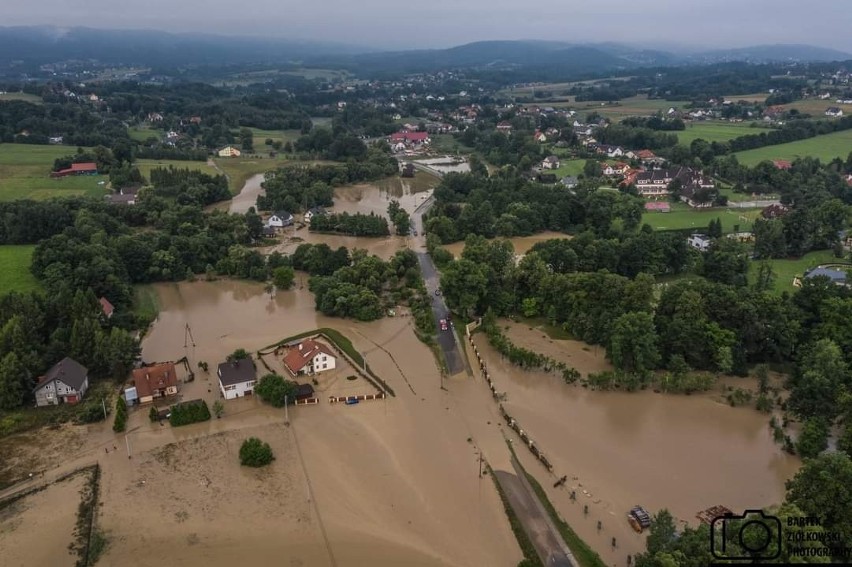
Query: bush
274	389
189	412
255	453
120	422
153	415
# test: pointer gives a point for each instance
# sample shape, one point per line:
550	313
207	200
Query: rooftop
237	372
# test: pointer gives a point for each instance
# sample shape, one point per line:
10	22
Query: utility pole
127	440
286	411
103	403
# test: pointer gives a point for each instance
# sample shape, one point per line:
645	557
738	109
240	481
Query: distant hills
29	46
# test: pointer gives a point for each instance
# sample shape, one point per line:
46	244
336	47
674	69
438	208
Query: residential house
55	139
312	212
774	211
648	157
834	111
119	199
836	275
569	181
695	195
77	169
309	357
550	162
655	182
229	151
237	378
151	382
539	137
155	117
280	219
504	126
65	383
700	242
782	164
268	231
106	307
195	120
410	138
610	151
614	169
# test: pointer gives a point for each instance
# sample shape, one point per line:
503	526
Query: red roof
782	164
155	377
84	167
106	306
409	136
645	154
299	355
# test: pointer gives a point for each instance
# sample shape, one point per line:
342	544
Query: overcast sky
405	24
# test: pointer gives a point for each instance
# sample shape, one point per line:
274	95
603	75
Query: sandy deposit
684	453
383	246
37	529
581	356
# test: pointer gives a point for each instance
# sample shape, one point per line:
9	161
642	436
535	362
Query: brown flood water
392	483
684	453
522	244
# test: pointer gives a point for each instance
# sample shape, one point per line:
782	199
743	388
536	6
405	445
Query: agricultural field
682	217
25	174
785	270
756	97
146	165
715	131
826	148
260	137
634	106
35	99
815	107
15	275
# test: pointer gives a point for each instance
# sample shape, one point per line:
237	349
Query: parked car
443	324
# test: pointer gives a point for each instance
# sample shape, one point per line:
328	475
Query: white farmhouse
309	357
237	378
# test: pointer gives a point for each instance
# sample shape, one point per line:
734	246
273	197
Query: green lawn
25	174
146	165
142	134
786	270
260	137
826	148
446	143
715	131
21	96
568	167
15	275
683	216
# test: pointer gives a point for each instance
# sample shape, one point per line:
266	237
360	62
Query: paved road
446	339
546	539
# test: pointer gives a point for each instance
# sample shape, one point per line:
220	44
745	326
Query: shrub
120	415
255	453
189	412
153	415
274	389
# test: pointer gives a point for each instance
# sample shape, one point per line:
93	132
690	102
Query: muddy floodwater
684	453
521	244
618	449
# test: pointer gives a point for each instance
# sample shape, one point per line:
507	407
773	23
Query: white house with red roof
309	357
410	138
106	307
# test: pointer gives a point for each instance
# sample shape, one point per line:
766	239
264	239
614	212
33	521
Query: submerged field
826	148
25	174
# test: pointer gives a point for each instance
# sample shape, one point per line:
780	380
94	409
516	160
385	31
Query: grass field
142	134
634	106
25	174
814	106
715	131
786	270
446	143
826	148
146	165
568	167
756	97
21	96
15	272
682	216
260	137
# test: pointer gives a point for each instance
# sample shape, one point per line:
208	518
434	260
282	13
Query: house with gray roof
65	383
837	275
237	378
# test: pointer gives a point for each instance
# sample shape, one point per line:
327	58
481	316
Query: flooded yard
521	244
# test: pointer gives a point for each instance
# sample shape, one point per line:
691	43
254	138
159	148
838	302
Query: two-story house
65	383
309	357
237	378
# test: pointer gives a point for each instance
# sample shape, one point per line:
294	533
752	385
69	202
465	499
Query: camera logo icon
753	535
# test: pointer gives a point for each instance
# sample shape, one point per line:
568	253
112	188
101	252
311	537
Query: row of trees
353	225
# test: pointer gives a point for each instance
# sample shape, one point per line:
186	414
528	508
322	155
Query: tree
238	354
12	378
255	453
591	169
633	343
218	408
153	415
275	390
120	422
247	139
726	262
254	224
399	217
283	277
823	488
465	284
814	438
818	381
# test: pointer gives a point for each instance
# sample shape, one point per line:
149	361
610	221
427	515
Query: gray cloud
396	24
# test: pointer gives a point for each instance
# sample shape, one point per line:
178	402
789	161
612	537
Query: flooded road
522	244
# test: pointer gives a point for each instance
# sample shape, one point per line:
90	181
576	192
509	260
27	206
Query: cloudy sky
401	24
